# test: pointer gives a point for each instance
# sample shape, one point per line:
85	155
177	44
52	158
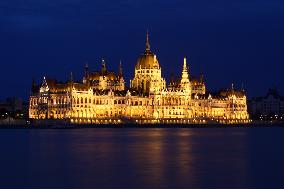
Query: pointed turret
185	71
120	78
104	66
120	74
34	88
184	83
71	81
172	81
243	88
202	78
34	83
172	78
44	86
147	43
86	73
86	70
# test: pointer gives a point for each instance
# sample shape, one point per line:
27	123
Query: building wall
148	80
166	105
198	88
271	105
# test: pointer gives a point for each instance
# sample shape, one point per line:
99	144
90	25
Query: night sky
237	41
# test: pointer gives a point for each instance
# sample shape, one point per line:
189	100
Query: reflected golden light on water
171	158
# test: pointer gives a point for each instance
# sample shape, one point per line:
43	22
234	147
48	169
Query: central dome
147	60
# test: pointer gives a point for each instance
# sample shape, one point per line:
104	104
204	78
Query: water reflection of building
102	97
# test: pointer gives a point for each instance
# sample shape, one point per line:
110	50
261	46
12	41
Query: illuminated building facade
102	97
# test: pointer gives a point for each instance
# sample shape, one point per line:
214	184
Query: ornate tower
34	88
148	74
71	81
86	73
121	83
185	83
120	74
103	70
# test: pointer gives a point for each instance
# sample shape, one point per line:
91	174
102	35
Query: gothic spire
184	70
103	66
147	42
120	74
34	82
185	83
243	88
86	70
34	86
202	78
172	77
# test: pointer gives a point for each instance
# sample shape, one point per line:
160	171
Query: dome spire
120	74
147	42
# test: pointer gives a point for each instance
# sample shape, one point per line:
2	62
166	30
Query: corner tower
148	74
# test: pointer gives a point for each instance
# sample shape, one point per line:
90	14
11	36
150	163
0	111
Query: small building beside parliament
102	97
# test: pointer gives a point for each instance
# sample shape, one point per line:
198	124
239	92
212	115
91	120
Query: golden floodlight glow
101	97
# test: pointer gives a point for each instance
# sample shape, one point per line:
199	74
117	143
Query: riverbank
74	126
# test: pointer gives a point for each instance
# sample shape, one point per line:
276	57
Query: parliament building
103	98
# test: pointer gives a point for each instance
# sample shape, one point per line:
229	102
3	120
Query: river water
142	158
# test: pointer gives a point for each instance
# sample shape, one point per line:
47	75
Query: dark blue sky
239	41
